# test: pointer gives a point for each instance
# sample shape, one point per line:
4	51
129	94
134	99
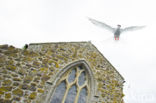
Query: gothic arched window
73	86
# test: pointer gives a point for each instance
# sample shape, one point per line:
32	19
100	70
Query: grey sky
134	56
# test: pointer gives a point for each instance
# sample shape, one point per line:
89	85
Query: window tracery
73	87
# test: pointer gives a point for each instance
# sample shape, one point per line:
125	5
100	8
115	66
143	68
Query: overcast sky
134	56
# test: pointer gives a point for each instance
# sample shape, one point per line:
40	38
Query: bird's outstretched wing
132	28
103	25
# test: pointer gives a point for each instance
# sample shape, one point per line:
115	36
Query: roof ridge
59	42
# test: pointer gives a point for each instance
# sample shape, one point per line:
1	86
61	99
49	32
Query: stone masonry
27	76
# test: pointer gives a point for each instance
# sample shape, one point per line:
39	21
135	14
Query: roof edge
107	60
60	42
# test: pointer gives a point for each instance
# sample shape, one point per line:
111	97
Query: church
58	72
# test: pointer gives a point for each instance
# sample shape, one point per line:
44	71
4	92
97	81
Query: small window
73	87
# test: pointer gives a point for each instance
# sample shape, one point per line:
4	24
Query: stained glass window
73	86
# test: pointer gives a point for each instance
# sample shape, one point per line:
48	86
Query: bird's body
116	31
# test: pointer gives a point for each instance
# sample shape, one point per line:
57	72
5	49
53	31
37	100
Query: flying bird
116	31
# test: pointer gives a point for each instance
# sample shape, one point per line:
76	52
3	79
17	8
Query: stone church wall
28	76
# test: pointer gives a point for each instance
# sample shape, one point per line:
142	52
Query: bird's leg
115	37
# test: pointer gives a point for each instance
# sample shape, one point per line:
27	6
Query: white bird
116	31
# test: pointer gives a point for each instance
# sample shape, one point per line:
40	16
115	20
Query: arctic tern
116	31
